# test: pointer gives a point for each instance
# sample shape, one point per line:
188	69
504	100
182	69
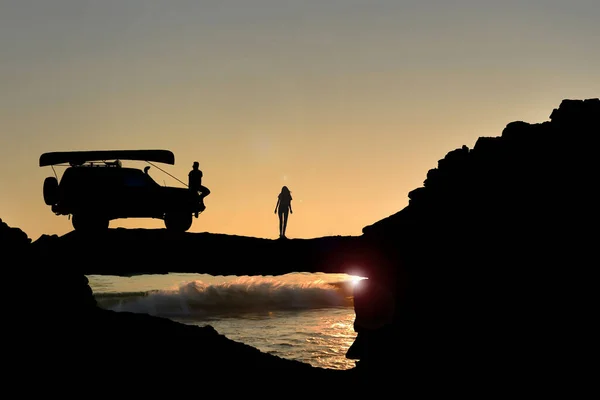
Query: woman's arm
276	205
290	206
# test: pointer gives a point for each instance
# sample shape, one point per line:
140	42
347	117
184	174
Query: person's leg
280	224
201	203
204	191
285	217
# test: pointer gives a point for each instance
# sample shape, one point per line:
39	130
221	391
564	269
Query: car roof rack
78	158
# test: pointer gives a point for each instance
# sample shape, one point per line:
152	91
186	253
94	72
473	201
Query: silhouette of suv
95	188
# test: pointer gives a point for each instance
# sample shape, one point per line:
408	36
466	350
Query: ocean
299	316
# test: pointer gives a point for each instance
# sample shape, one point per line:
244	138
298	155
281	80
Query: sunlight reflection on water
317	337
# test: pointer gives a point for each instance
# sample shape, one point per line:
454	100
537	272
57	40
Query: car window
135	178
100	178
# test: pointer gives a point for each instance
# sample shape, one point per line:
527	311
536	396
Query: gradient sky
347	102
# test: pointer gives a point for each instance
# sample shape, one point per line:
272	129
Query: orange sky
349	103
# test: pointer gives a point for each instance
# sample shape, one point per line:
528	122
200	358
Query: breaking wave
196	299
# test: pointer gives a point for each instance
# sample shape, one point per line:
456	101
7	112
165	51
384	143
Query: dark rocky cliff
485	280
62	335
491	261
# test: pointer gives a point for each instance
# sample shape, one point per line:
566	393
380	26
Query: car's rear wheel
89	223
50	191
178	221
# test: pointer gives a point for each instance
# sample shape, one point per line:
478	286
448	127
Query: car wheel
50	191
178	222
89	223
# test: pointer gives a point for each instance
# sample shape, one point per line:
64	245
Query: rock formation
490	263
63	332
484	281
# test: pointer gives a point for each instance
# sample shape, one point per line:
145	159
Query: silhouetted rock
487	272
494	252
63	328
142	251
12	240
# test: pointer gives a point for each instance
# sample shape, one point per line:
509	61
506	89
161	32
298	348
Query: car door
140	195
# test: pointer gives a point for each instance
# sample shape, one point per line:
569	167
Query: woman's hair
285	192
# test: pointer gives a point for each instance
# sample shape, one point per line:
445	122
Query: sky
349	103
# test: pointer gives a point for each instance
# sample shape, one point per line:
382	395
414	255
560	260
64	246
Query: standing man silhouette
195	184
284	205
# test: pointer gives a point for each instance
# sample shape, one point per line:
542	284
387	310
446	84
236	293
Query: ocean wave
196	299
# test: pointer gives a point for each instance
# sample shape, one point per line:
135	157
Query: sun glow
356	279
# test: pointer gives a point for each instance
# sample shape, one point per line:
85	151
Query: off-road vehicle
95	188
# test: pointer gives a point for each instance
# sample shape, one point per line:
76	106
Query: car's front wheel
89	223
178	221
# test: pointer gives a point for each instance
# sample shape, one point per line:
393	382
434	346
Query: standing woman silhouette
284	204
